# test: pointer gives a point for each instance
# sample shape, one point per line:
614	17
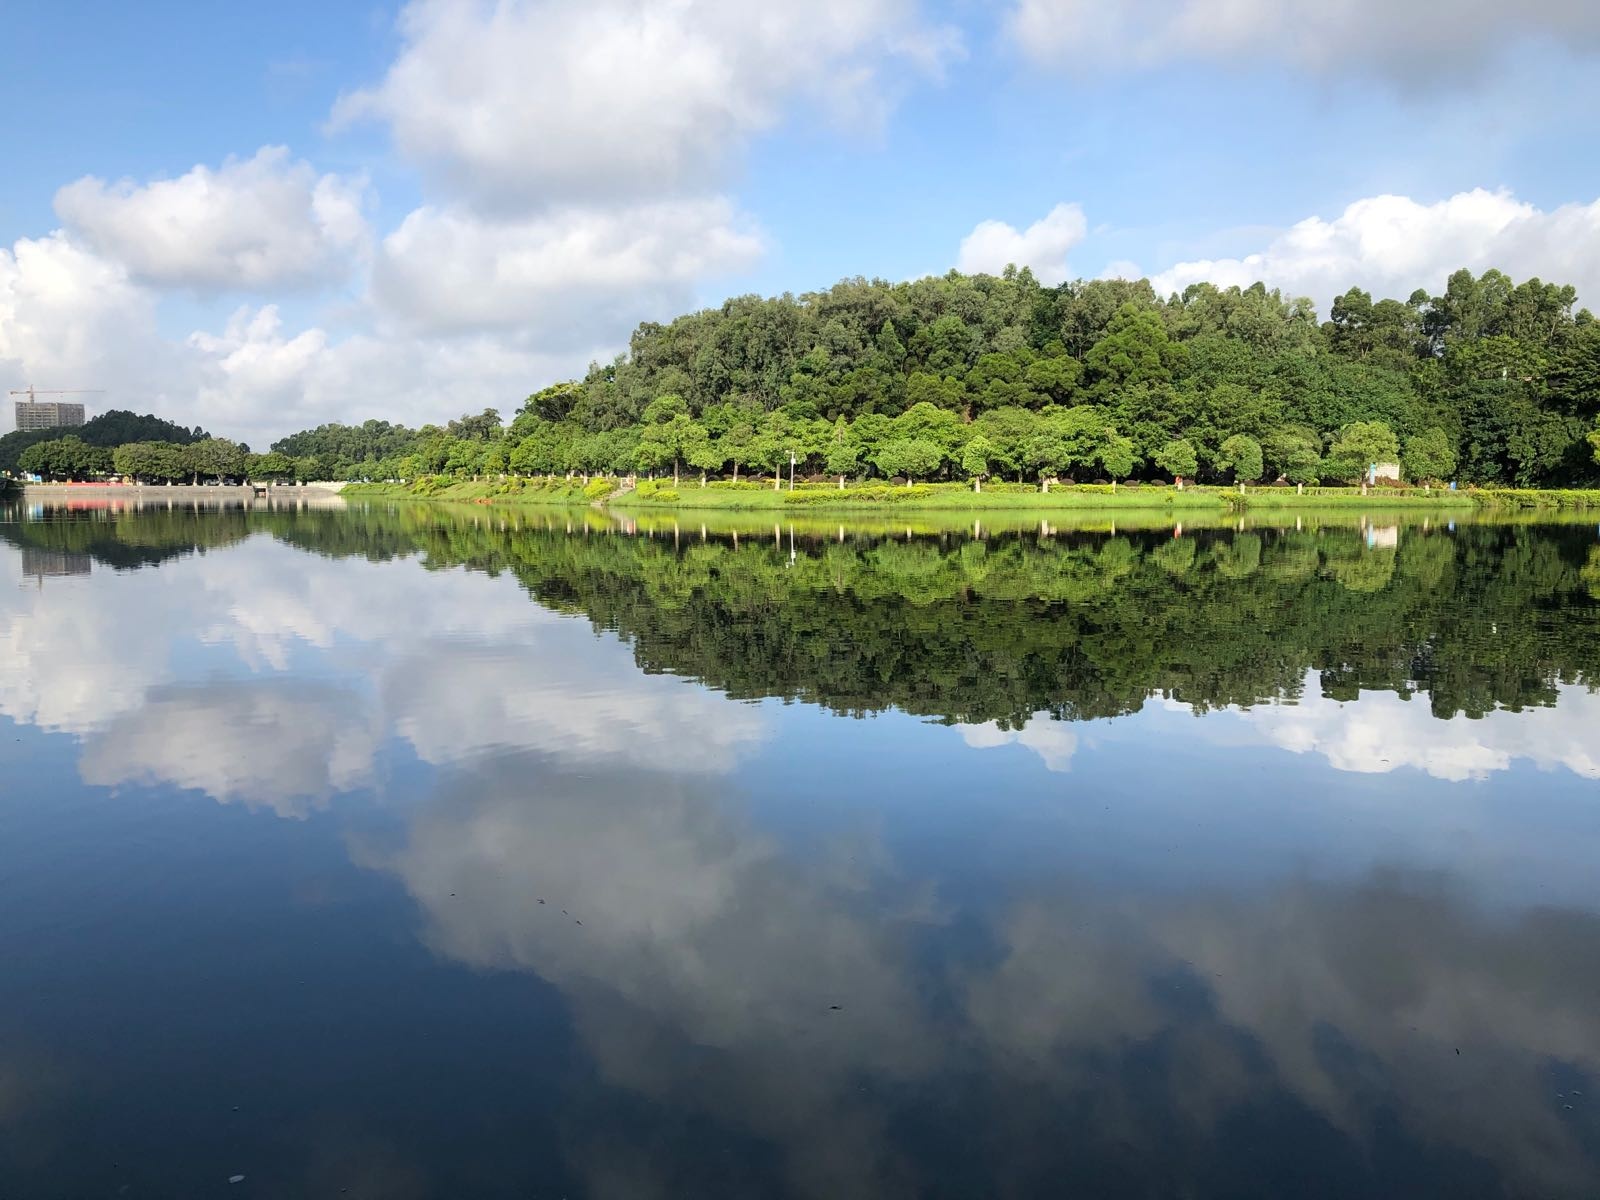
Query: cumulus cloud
69	318
259	380
264	221
1413	45
575	275
1391	245
527	101
1043	246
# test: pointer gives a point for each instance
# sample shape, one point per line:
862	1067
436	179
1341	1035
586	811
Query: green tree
1359	445
1135	349
212	458
273	465
1430	456
976	456
914	458
705	453
1118	456
843	453
1242	455
1177	458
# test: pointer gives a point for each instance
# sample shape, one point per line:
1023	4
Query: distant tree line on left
107	431
209	458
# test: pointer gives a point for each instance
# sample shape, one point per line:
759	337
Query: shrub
597	488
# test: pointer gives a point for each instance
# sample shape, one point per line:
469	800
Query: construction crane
30	392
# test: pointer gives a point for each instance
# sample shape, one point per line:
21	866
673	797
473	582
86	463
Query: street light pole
791	470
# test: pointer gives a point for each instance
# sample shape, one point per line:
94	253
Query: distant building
39	414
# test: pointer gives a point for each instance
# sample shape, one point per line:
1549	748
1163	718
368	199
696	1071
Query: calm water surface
415	853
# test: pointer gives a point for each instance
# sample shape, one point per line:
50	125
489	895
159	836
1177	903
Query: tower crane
30	392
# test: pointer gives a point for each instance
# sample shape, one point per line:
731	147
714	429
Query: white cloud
1053	741
1384	733
525	102
259	381
468	666
213	738
1042	246
452	703
1391	245
72	319
1413	45
572	276
266	221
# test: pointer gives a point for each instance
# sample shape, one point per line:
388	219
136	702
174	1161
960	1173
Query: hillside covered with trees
973	376
967	376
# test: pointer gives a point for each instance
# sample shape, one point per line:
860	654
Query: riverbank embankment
67	493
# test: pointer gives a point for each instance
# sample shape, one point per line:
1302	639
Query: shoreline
944	498
57	493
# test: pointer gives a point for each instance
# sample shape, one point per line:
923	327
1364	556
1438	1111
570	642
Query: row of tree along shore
971	378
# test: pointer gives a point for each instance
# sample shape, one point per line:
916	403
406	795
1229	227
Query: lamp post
791	470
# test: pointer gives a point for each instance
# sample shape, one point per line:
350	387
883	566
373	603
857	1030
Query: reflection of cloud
268	743
1390	998
70	662
463	663
1398	989
703	971
706	963
1383	733
582	706
1053	741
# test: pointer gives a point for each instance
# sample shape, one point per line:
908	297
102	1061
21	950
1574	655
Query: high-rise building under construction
40	414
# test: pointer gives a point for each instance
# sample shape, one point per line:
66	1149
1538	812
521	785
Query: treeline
105	432
209	458
964	377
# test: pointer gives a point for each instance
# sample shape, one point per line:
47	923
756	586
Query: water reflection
1237	863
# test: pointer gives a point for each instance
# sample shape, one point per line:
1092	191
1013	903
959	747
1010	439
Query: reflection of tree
127	540
1075	625
1071	624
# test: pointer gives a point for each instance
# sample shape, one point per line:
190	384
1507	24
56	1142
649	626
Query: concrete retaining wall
57	493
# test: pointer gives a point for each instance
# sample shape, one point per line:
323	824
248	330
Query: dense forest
970	376
957	628
977	376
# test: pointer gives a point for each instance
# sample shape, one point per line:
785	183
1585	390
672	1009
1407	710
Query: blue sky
264	218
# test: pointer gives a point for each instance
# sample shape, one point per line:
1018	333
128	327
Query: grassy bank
747	497
725	496
1570	499
926	497
506	491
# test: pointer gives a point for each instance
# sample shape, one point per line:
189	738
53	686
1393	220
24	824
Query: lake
417	851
